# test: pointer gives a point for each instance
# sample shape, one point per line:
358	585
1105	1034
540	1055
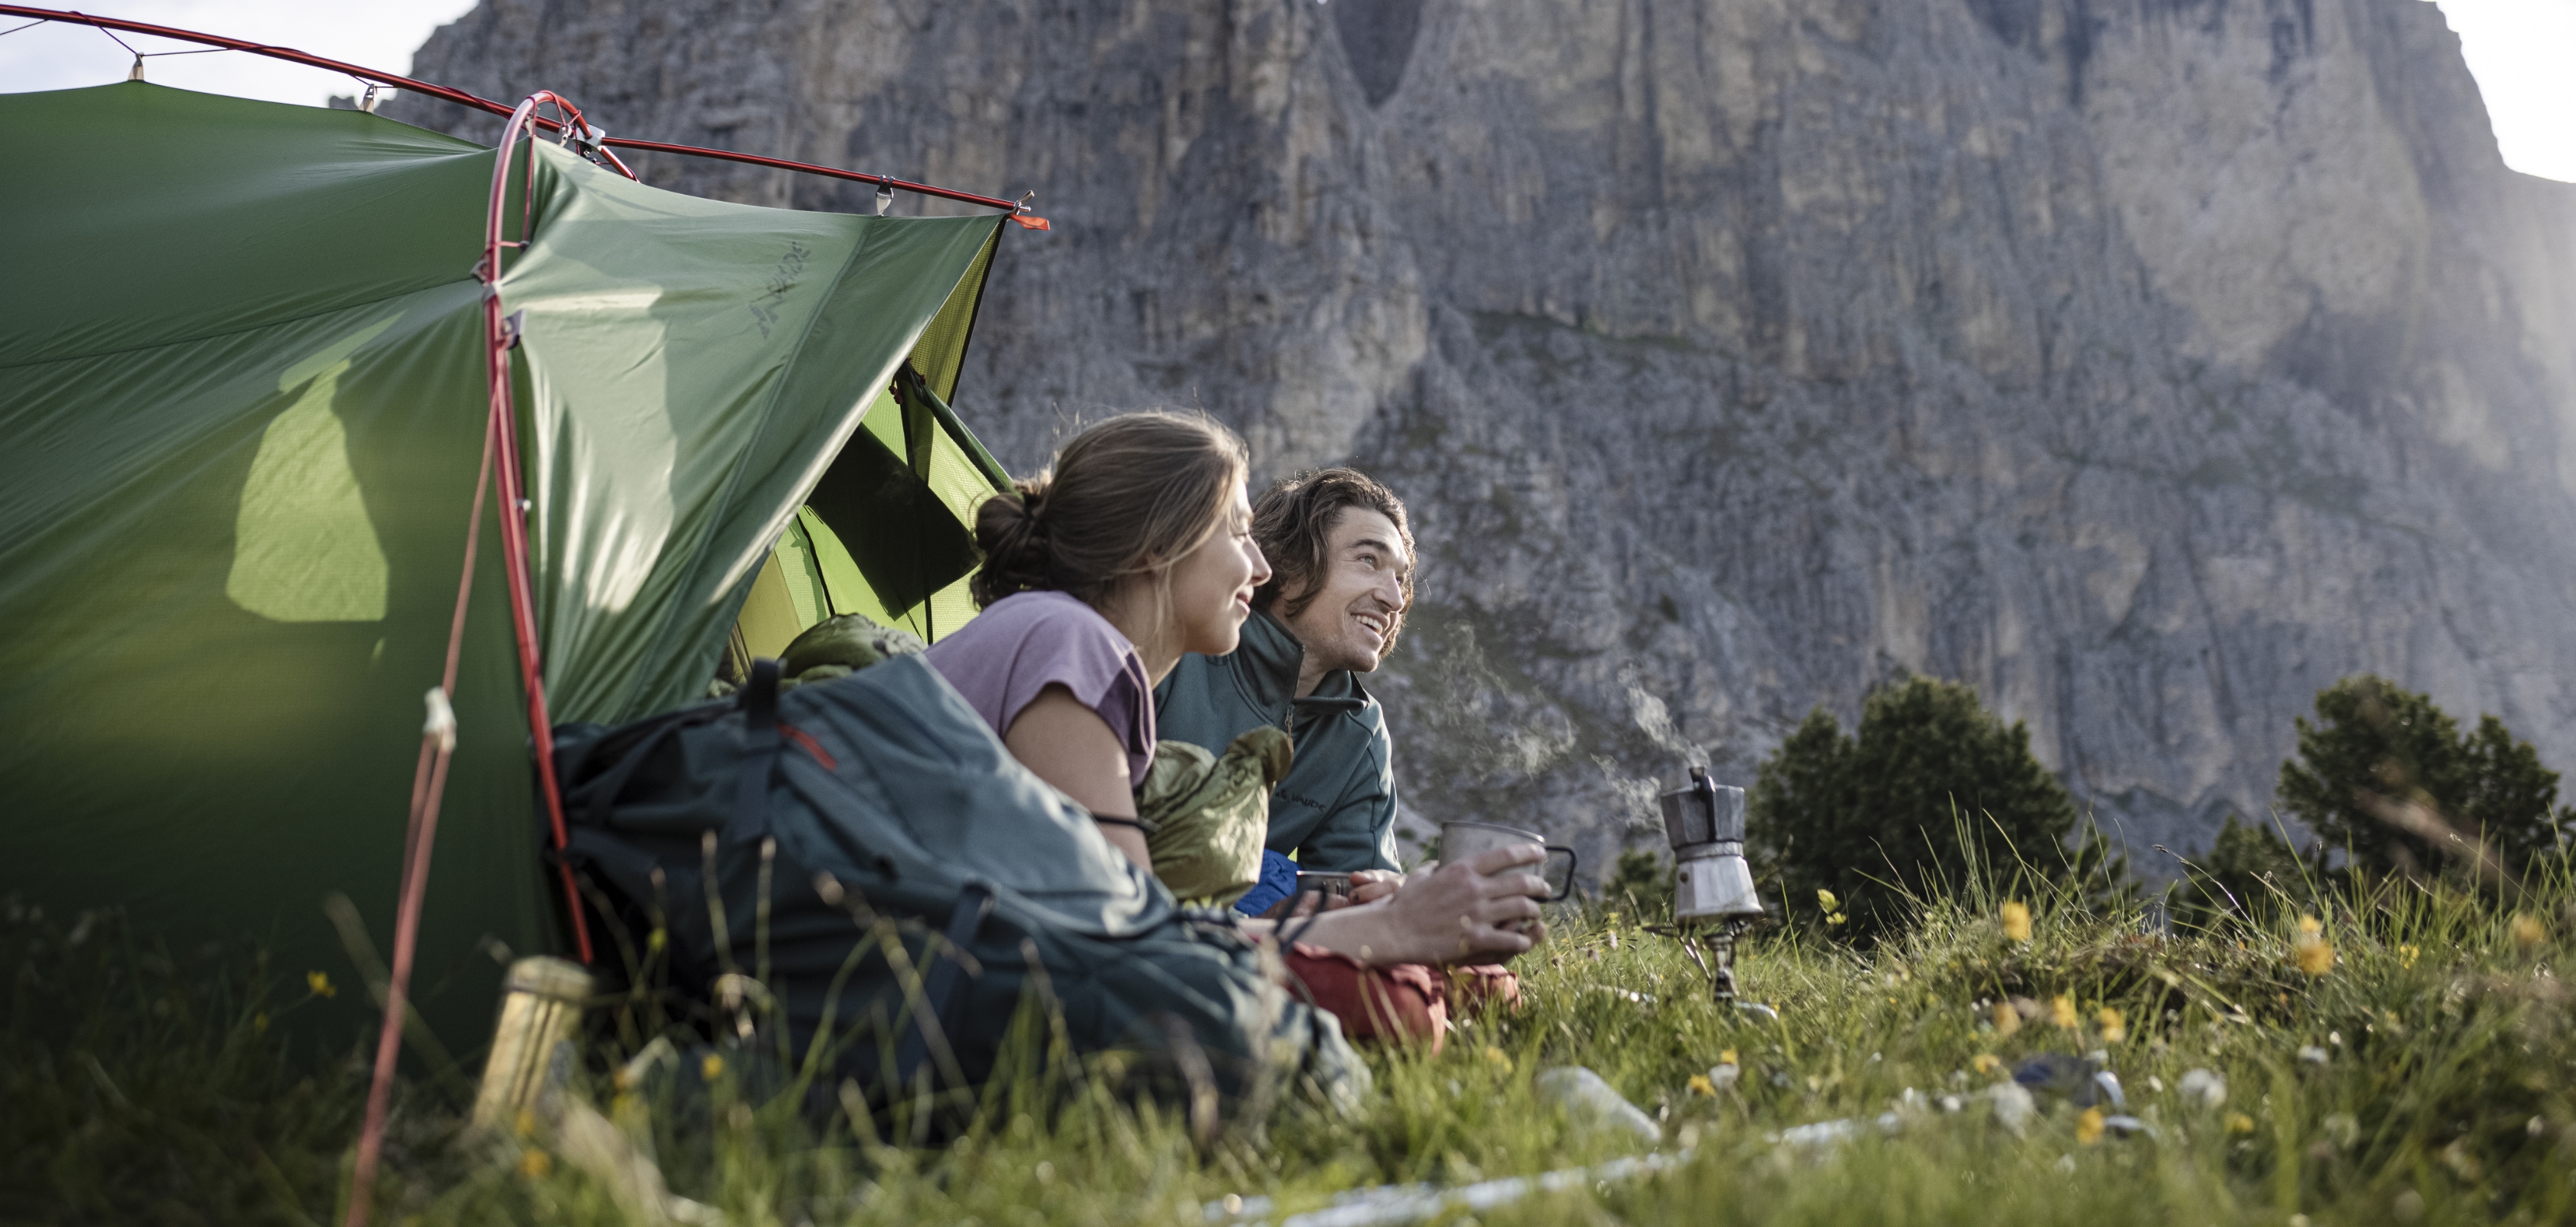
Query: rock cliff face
2147	364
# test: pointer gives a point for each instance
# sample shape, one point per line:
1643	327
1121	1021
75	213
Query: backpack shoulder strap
939	990
760	744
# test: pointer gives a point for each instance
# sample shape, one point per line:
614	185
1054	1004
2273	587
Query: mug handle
1553	849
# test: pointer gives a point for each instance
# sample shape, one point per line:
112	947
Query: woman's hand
1371	885
1481	911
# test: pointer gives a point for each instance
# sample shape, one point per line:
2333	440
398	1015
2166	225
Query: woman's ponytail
1011	531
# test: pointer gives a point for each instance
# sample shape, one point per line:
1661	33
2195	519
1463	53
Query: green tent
242	407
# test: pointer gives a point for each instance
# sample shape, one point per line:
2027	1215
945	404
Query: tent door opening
884	534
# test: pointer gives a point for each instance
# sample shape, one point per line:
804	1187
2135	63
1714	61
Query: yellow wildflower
2406	956
535	1163
2016	919
2088	1127
2316	956
1825	899
320	984
1727	1057
2115	1027
1498	1057
1700	1085
2527	932
2238	1122
2007	1019
2061	1010
711	1068
1987	1064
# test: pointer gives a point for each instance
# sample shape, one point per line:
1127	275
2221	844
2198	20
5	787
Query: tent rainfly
243	394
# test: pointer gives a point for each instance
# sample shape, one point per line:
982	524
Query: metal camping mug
1465	841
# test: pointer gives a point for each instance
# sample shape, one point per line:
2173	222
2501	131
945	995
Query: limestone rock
2147	366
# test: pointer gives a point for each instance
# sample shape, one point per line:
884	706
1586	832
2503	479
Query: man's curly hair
1293	523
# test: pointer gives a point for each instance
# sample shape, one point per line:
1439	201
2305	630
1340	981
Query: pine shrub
1932	794
2385	777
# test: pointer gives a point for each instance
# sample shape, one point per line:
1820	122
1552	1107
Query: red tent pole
499	338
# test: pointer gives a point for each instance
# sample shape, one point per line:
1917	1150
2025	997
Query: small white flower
2013	1106
2312	1054
2207	1088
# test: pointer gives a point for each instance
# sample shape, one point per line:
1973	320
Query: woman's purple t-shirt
1029	641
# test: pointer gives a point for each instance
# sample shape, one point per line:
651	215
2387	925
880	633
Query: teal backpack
877	815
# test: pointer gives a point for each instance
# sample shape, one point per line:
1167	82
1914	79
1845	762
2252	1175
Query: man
1342	575
1341	560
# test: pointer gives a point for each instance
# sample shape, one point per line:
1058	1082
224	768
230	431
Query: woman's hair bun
1010	531
1124	499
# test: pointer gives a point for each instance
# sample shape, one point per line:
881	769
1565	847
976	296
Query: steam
1656	720
1638	797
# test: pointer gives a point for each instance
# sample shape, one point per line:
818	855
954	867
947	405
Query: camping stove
1713	897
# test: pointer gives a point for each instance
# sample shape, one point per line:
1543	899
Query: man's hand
1478	912
1482	911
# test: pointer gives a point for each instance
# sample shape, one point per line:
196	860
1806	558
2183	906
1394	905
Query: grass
2425	1076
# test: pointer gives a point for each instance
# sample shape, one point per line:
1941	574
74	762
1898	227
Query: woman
1135	548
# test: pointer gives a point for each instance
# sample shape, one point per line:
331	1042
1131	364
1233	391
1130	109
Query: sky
379	34
2523	53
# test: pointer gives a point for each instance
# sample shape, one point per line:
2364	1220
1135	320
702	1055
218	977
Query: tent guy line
1018	211
438	737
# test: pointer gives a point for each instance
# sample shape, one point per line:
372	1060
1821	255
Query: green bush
1931	795
2380	760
